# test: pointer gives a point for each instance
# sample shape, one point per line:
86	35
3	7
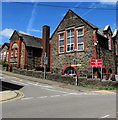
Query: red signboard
96	63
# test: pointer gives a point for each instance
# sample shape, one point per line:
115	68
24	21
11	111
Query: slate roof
30	41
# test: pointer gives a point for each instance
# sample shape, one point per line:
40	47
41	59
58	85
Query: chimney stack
45	41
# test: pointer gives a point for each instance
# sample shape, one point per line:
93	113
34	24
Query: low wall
95	83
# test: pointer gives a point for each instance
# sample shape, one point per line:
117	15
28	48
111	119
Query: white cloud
6	32
34	30
30	23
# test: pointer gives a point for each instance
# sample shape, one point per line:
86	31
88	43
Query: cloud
34	30
30	23
107	1
6	32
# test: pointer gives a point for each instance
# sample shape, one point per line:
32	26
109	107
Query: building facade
69	50
27	51
75	42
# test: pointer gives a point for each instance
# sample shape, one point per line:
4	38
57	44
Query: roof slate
31	41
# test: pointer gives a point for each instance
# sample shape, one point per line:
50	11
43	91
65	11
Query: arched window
70	71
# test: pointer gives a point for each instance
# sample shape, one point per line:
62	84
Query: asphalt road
45	101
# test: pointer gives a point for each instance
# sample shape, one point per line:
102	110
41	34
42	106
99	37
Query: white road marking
66	94
55	96
27	98
43	97
54	90
106	116
31	83
2	78
19	82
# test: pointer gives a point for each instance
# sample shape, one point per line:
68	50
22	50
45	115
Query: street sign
45	60
96	63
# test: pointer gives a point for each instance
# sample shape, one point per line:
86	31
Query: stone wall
59	61
83	81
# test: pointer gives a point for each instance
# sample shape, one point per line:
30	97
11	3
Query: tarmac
9	95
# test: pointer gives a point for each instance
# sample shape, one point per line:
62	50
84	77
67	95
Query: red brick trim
65	41
95	46
50	57
25	56
75	38
85	38
63	70
19	52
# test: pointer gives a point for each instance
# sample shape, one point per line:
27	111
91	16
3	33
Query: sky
29	17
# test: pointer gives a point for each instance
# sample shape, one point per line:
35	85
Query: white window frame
82	35
61	40
70	36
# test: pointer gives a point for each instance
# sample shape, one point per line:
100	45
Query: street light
75	63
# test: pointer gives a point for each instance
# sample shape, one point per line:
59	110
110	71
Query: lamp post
75	63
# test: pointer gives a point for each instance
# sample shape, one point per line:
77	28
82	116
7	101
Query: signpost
96	64
45	63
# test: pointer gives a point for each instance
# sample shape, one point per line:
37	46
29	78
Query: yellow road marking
21	96
104	91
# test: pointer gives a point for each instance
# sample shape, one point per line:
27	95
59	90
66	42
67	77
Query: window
61	42
12	53
16	52
70	71
30	53
80	39
70	40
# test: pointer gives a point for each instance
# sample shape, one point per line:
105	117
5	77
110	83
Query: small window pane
68	32
68	40
72	32
61	49
80	46
61	36
68	47
72	47
61	42
80	39
72	39
80	31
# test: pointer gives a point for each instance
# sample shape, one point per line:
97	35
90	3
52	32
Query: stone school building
69	50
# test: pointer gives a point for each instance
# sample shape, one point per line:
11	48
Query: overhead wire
49	5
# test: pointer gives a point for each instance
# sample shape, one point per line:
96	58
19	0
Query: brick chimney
45	41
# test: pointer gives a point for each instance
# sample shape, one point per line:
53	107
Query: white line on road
43	97
54	90
106	116
27	98
19	82
55	96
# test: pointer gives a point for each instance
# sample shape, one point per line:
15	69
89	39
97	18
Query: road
46	101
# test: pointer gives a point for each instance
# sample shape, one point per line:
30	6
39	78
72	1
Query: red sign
96	63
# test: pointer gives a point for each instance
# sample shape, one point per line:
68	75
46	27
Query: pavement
7	95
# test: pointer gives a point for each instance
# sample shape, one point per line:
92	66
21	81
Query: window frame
82	35
70	37
59	42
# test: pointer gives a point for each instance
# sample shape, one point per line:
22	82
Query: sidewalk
49	82
6	95
57	84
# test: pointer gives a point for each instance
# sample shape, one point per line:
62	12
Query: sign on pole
96	63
